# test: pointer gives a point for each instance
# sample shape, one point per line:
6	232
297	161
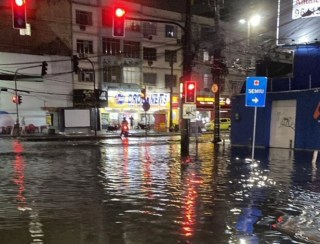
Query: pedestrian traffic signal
118	27
44	68
19	16
75	62
190	92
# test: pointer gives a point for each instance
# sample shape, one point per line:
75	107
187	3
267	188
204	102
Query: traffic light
190	92
19	16
44	68
118	27
143	94
75	62
14	99
17	99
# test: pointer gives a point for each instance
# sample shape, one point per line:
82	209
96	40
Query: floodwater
136	191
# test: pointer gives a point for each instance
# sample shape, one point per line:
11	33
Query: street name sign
256	89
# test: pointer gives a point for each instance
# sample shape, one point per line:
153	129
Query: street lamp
251	22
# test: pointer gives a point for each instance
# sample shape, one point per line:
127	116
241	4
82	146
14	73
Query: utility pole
187	69
217	71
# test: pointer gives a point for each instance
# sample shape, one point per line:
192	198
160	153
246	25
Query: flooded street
136	191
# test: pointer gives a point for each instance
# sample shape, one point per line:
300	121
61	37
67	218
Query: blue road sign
256	89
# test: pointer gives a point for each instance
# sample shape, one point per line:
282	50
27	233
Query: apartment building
22	51
148	57
112	71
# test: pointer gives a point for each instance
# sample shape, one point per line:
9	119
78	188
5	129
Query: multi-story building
117	69
148	57
46	38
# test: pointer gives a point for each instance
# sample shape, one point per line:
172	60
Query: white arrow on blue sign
256	89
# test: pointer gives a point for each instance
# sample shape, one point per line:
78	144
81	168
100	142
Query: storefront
206	108
128	104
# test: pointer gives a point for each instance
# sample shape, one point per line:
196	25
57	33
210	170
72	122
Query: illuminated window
170	31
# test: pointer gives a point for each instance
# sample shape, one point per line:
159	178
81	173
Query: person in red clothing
124	127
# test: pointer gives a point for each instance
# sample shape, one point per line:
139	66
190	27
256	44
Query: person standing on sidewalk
131	122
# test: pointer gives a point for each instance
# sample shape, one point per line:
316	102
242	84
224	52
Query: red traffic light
118	27
190	92
19	17
119	12
14	99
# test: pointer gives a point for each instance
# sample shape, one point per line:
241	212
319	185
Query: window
131	49
150	78
170	56
111	46
85	75
149	53
133	25
112	74
149	29
167	80
170	31
84	46
83	17
131	75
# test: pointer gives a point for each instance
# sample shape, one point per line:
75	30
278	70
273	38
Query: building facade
109	72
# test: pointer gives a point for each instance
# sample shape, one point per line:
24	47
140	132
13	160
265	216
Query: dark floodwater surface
137	192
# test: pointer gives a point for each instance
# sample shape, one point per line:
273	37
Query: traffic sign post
256	89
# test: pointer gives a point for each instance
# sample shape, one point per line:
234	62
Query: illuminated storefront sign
119	99
305	8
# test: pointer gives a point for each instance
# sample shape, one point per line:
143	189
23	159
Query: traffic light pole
187	69
17	125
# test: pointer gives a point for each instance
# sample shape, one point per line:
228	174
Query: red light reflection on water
147	176
190	204
19	173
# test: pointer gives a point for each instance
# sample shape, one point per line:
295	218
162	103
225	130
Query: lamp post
251	22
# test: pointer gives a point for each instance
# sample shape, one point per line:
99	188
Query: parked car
225	124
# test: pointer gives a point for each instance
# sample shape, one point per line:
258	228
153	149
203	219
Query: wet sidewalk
99	135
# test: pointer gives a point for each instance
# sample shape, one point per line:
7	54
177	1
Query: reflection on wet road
136	191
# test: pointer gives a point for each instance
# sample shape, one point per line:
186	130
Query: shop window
168	79
150	54
150	78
